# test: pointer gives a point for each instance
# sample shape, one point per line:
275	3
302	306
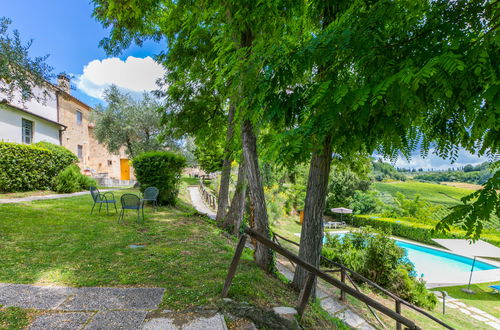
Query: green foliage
419	234
342	186
479	209
18	71
161	169
383	171
366	202
377	257
416	208
209	157
71	180
126	122
31	167
472	176
63	157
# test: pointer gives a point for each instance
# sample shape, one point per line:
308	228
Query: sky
67	32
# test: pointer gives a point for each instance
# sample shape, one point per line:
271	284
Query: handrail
313	272
207	197
375	285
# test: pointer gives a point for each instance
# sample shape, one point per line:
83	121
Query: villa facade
62	119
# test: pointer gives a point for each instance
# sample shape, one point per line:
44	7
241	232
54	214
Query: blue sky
67	32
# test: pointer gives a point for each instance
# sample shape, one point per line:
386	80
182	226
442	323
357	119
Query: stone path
54	196
102	308
197	201
473	312
332	305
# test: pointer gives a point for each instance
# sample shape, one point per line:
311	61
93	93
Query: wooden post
342	279
305	294
234	264
398	310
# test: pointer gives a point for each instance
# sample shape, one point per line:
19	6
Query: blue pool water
429	261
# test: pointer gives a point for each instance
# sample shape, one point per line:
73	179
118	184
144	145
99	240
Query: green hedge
31	167
161	169
418	234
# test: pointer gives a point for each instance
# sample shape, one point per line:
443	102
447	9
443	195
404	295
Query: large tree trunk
311	236
223	200
237	209
263	256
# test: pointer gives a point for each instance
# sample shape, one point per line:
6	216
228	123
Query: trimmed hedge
31	167
416	231
71	180
161	169
418	234
63	157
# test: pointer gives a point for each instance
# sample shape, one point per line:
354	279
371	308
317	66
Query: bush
71	180
377	257
63	157
31	167
161	169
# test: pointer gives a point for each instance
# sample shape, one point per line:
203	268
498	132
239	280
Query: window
27	131
78	117
110	162
80	152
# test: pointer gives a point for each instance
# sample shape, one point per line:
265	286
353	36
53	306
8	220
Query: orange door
125	169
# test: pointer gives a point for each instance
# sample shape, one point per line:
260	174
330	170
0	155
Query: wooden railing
348	273
318	273
207	196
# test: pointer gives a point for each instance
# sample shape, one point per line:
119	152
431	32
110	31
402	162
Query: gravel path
197	201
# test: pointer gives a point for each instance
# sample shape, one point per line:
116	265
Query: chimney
63	82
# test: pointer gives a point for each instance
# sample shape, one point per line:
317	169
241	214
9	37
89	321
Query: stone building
78	137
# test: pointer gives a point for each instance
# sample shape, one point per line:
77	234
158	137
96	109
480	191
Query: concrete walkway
332	305
197	201
102	308
38	198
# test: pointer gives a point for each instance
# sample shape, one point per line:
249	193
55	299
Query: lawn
483	298
15	317
432	192
57	242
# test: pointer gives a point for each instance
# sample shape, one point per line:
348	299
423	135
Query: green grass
431	192
57	242
26	194
483	298
14	317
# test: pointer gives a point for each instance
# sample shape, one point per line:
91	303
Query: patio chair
151	195
102	198
131	202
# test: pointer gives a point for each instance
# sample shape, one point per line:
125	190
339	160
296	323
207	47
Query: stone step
185	321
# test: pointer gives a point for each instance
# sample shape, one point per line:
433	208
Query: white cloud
134	75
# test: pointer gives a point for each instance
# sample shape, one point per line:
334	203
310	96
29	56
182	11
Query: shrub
161	169
63	157
71	180
377	257
31	167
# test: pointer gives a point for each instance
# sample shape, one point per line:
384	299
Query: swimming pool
432	263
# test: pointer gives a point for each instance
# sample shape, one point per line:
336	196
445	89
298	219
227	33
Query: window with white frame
27	131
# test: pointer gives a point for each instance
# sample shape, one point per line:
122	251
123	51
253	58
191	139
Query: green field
431	192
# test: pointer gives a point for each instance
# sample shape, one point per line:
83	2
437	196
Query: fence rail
352	274
207	196
318	273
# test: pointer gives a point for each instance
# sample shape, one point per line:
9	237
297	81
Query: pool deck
457	278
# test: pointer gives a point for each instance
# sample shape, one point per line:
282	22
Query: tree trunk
263	256
223	200
311	236
237	209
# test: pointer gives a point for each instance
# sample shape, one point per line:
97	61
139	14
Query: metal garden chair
131	202
102	198
151	195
